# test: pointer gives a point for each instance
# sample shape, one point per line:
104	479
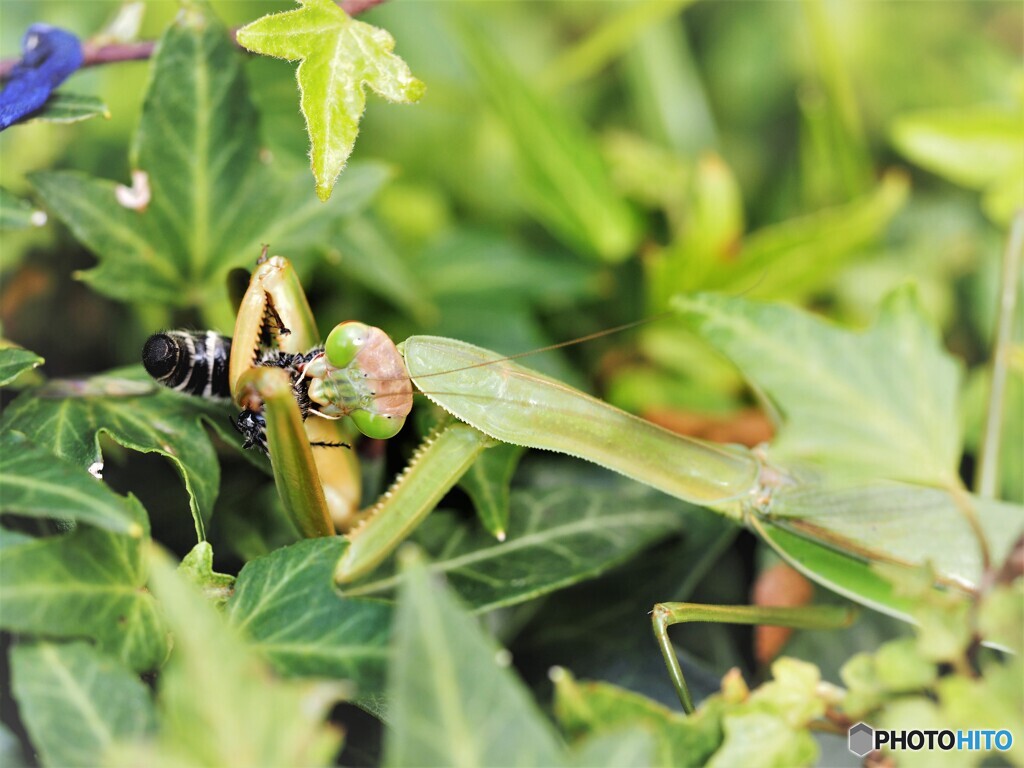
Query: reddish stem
143	49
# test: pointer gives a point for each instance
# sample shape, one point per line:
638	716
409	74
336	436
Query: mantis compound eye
380	426
345	342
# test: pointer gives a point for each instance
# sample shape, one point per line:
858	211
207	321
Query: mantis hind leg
665	615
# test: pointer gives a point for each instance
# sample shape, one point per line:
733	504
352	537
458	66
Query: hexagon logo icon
861	739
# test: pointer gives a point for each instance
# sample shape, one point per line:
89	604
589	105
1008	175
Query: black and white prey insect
196	363
193	362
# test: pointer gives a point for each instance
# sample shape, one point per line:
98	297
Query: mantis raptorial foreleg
275	305
299	485
665	615
357	373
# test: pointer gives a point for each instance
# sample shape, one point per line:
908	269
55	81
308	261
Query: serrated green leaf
557	537
487	483
979	148
14	361
878	404
38	484
792	692
70	108
900	668
593	708
133	263
87	584
763	740
16	213
197	567
207	209
338	56
452	701
219	704
287	607
565	181
67	416
75	702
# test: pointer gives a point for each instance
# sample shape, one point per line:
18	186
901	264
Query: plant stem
986	477
143	49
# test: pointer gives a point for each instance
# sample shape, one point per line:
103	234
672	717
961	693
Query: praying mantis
359	378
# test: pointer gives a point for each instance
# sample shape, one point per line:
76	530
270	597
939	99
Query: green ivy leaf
792	693
878	404
89	583
452	702
197	567
207	210
38	484
763	740
585	709
70	108
14	361
220	704
338	56
287	607
67	417
76	703
557	537
16	213
900	667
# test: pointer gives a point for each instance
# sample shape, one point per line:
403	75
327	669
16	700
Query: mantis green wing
834	534
519	406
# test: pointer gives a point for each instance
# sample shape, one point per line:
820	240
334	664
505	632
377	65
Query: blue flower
49	56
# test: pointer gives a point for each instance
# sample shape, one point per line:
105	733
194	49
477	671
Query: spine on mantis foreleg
436	466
